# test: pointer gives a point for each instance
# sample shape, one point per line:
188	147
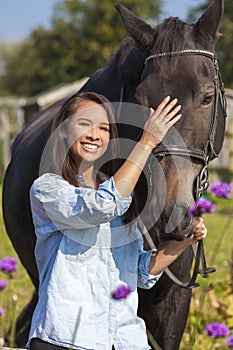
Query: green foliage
225	44
82	36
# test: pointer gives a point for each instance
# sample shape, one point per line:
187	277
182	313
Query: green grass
19	290
213	300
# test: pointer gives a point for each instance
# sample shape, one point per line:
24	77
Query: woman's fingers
166	106
163	104
165	110
200	230
173	120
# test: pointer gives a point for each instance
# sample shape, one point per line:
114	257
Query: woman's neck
87	172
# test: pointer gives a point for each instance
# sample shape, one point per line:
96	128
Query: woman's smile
90	147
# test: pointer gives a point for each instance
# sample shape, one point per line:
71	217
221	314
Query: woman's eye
207	99
105	129
83	124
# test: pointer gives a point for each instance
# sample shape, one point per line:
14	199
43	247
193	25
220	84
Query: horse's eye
207	99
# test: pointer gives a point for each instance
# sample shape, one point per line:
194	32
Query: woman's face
89	132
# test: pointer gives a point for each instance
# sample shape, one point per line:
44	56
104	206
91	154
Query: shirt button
113	269
115	337
108	224
113	314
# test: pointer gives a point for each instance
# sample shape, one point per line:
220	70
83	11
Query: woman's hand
159	122
200	231
167	254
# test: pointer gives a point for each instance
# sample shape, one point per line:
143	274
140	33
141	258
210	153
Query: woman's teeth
88	145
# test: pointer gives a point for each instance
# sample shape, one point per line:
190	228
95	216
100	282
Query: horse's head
187	69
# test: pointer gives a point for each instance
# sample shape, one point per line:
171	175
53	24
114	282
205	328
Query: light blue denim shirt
83	252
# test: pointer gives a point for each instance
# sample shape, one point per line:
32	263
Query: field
211	302
18	291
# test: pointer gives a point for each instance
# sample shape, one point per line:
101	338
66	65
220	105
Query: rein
205	155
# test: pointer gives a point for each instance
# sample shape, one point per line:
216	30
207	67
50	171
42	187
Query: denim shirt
83	252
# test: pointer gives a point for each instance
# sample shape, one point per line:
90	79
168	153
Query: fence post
5	136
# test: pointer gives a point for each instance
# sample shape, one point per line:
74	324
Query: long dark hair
63	162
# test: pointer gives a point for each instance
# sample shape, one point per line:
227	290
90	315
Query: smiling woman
88	257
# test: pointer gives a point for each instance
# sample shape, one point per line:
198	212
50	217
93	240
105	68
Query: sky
19	17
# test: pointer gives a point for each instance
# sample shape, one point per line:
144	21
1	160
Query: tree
225	42
82	36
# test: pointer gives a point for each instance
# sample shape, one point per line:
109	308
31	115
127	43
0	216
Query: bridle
203	155
208	152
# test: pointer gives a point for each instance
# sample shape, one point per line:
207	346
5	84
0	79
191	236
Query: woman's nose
93	134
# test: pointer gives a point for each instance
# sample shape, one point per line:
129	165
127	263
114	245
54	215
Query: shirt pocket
75	251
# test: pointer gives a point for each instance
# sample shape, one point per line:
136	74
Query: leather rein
205	155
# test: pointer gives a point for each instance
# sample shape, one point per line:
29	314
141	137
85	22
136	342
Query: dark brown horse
180	63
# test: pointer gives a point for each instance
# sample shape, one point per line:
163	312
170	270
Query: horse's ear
140	31
209	22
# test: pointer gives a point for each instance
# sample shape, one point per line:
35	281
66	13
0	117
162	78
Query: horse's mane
128	60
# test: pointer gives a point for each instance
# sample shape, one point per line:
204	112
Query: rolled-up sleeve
145	279
68	206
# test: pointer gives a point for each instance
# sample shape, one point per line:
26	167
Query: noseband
205	155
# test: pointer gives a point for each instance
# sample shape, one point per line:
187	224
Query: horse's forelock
169	35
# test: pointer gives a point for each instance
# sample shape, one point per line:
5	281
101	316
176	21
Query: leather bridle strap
176	150
182	53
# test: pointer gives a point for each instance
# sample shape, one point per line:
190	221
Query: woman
84	250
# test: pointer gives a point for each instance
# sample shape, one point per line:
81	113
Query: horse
174	58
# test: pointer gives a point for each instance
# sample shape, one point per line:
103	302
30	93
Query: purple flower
3	284
221	189
201	206
121	292
8	265
1	311
229	341
216	329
